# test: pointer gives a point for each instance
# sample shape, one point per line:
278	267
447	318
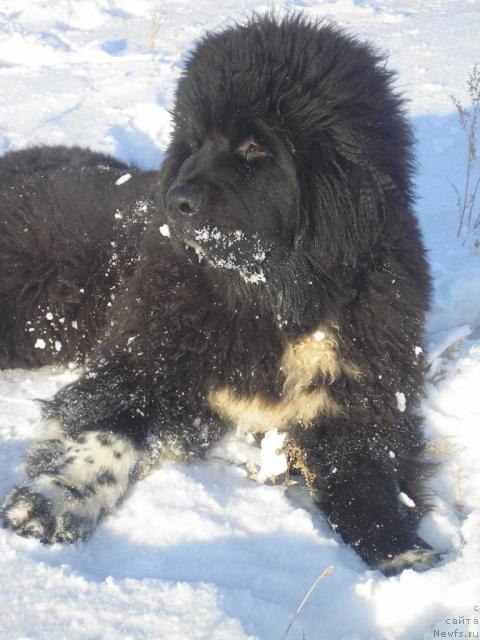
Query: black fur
289	173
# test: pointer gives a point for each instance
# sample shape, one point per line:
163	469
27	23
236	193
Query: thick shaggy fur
291	292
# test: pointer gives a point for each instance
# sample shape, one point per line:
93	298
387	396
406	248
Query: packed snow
217	550
401	401
165	230
125	178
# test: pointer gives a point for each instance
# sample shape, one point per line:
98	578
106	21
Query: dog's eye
250	149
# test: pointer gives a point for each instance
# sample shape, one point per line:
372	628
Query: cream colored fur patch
302	361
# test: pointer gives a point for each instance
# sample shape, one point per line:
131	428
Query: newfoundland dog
271	275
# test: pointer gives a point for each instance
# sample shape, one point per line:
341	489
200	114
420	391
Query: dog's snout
184	200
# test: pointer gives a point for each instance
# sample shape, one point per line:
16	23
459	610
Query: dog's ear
303	231
342	213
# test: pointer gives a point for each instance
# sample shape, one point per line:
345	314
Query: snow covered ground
202	551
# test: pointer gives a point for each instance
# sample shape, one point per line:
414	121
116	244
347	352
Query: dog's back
67	216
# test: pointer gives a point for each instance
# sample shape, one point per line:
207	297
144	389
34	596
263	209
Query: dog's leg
72	483
83	464
362	486
101	434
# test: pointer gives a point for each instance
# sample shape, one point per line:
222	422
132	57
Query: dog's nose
184	200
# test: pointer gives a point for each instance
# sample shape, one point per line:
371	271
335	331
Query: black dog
271	275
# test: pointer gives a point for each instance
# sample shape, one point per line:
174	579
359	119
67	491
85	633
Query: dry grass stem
326	572
469	121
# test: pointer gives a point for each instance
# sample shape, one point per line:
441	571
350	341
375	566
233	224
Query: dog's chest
308	367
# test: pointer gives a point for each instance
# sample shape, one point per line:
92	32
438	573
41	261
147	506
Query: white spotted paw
33	515
74	483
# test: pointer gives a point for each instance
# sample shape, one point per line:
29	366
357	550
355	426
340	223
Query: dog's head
234	197
289	151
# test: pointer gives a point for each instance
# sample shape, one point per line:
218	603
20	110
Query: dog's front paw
50	519
29	514
418	558
73	484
